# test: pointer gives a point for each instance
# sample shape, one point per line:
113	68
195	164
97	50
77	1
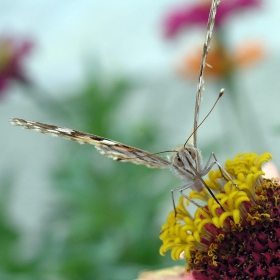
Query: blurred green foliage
104	222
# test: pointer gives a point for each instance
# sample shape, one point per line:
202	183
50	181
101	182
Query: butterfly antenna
194	132
205	50
158	153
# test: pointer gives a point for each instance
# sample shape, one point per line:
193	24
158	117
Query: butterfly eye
178	161
192	153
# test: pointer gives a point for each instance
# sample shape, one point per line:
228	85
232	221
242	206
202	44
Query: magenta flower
12	52
197	14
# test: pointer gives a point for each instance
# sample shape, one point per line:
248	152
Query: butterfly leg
224	173
181	190
193	202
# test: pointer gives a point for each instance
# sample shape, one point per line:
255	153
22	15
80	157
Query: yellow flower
237	238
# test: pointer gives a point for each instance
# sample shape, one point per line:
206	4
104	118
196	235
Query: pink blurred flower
12	52
197	14
172	273
271	171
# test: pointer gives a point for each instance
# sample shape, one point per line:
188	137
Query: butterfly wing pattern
179	162
105	146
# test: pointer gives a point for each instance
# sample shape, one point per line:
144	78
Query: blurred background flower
172	273
66	211
221	61
12	53
197	13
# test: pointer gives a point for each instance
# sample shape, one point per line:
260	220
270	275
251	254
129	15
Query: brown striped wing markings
107	147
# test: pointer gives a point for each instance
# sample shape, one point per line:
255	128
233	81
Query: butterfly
185	161
178	161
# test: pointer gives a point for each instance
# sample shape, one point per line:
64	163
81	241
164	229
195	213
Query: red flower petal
273	272
259	248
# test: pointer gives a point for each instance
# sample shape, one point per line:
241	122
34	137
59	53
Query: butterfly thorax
184	161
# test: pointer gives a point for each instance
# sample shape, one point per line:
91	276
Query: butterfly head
184	160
